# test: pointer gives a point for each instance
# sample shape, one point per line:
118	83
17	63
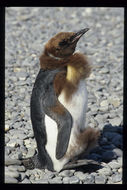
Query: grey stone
116	121
118	152
74	180
22	176
114	165
6	139
9	179
26	181
100	179
104	70
116	178
56	180
21	168
12	168
7	151
114	101
81	175
30	152
103	108
71	180
104	103
120	160
9	161
66	180
19	135
22	75
7	127
105	171
14	142
89	179
13	173
43	181
48	176
66	173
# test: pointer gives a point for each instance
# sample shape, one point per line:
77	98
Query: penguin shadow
109	148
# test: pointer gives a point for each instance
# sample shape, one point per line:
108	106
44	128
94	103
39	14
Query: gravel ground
27	29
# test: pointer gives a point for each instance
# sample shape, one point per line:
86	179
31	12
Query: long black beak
78	35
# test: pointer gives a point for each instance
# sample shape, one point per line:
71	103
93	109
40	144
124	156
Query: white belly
77	106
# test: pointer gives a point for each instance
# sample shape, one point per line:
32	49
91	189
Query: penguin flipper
63	137
64	123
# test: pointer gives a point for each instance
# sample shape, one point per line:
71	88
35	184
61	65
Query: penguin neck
54	57
72	74
49	61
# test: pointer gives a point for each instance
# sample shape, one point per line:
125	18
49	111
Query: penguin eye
63	43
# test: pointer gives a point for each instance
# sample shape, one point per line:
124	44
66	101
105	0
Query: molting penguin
59	104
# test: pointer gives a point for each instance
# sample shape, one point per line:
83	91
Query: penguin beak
78	35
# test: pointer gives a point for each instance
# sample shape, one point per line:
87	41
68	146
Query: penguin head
63	44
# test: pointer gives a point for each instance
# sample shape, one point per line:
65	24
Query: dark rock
108	156
117	141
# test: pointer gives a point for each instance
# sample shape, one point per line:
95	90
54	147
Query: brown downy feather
77	68
47	62
85	141
88	139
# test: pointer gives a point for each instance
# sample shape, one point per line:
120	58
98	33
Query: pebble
43	181
116	178
71	180
120	160
6	139
114	165
106	171
89	179
104	103
118	152
9	179
120	170
114	101
66	173
9	161
56	180
22	176
26	181
115	121
14	142
81	175
100	179
10	173
7	127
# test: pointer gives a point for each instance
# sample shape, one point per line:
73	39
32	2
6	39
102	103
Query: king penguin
59	104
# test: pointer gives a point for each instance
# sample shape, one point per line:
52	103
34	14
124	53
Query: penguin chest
76	105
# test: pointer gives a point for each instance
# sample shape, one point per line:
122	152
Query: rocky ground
27	29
